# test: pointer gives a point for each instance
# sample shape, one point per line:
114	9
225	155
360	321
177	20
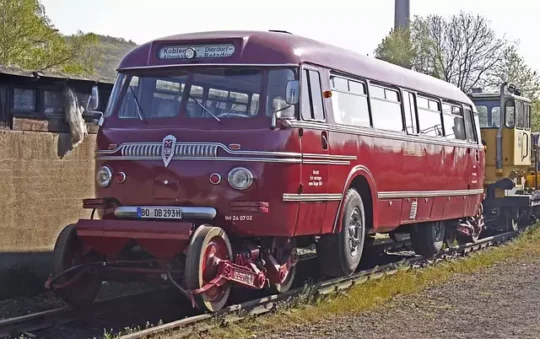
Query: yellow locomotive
511	181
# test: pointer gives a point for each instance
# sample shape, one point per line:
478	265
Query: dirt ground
502	301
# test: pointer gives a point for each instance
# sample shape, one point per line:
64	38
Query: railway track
26	324
31	323
268	304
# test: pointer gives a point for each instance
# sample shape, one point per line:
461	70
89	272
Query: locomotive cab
506	134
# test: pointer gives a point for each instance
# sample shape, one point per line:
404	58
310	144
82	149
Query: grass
376	293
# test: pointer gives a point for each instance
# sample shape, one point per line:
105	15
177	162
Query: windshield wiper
202	106
139	111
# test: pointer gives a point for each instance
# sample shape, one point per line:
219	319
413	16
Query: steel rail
28	323
45	319
264	305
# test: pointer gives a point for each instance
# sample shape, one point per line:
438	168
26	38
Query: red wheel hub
216	251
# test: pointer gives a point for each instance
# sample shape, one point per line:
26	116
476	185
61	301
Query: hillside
111	50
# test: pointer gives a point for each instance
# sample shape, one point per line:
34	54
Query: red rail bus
221	153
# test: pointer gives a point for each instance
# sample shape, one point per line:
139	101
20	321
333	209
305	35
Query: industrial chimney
402	13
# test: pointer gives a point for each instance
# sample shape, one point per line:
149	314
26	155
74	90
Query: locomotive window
495	116
483	113
312	105
527	116
386	112
410	112
350	107
509	108
520	114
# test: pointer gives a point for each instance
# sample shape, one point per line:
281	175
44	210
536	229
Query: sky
358	25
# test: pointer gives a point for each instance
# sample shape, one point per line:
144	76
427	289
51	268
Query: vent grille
180	150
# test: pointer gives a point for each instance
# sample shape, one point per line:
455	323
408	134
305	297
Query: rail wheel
208	246
427	239
282	254
511	218
340	253
67	253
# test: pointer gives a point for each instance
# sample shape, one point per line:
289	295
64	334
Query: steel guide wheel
207	247
67	253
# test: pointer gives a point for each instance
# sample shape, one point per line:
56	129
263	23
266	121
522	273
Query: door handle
324	140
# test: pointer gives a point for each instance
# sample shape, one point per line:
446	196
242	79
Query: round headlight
240	178
104	176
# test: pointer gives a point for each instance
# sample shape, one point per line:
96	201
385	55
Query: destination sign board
196	51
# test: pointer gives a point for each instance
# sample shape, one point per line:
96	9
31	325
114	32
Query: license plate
159	213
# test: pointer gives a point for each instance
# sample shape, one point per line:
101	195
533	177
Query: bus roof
282	48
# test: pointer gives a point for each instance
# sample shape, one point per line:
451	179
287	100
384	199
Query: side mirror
94	97
292	93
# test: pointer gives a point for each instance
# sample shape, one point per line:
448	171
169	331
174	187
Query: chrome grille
181	150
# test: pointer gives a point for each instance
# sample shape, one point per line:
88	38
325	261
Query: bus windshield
208	93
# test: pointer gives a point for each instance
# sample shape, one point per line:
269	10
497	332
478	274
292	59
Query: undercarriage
204	271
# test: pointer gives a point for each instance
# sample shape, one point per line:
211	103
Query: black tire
427	239
194	273
334	250
82	293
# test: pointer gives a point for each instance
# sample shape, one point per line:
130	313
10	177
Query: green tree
29	40
460	49
514	70
397	48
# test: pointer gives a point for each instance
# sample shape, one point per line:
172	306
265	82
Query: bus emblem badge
167	152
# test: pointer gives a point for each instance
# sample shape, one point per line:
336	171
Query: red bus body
302	168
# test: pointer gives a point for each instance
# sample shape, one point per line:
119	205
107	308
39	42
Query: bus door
315	150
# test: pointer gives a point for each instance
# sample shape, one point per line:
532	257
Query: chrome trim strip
182	146
240	159
204	65
427	194
312	197
325	162
366	131
209	151
330	156
188	212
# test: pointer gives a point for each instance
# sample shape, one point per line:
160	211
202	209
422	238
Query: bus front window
214	93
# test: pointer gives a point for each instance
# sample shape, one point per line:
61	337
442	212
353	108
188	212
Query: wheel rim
82	291
216	251
354	226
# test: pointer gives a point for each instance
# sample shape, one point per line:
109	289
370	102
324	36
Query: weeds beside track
307	295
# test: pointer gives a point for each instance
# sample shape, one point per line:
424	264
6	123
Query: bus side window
409	104
429	117
312	103
385	108
469	127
